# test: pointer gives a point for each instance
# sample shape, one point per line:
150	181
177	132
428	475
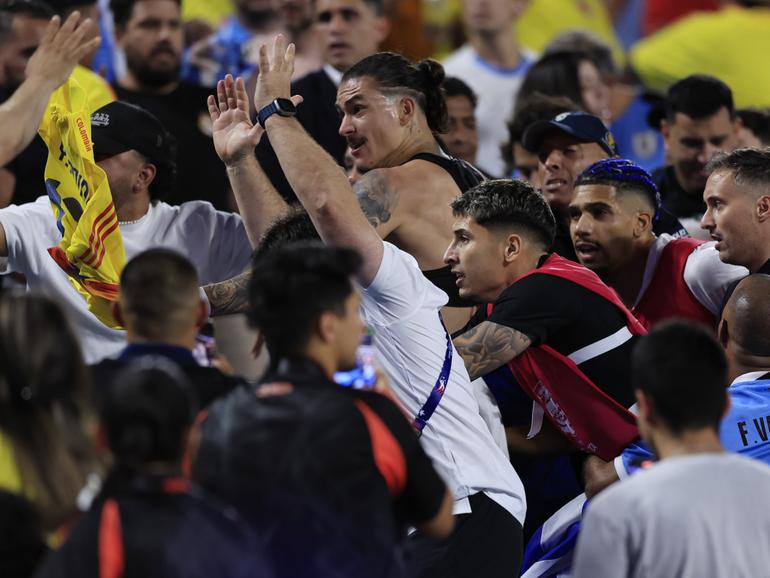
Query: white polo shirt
402	308
214	241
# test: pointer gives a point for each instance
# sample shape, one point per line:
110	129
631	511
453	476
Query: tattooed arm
229	297
489	346
379	201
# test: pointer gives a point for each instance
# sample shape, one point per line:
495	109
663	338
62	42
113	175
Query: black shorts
487	542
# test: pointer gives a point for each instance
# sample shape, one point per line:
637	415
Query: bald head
747	315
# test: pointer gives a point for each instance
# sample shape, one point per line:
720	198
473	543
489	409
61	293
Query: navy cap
582	126
118	127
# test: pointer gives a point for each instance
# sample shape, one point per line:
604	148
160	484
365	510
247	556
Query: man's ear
327	327
665	129
145	177
763	208
646	407
642	223
407	107
512	248
723	333
202	314
117	313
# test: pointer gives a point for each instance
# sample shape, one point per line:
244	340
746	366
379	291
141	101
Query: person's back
148	520
701	510
688	516
295	457
329	477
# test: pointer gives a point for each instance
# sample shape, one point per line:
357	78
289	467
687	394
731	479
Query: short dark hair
530	110
508	203
624	176
292	286
377	6
63	7
682	368
30	8
122	10
698	96
588	43
156	290
757	121
453	87
555	74
750	166
147	411
423	80
293	227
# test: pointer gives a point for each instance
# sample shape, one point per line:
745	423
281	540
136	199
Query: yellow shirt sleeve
10	478
731	44
99	91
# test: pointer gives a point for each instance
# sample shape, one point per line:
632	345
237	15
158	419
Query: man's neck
740	363
690	442
132	210
422	141
500	49
762	263
627	278
524	264
130	82
184	342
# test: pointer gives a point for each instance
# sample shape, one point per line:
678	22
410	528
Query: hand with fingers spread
275	71
235	136
61	49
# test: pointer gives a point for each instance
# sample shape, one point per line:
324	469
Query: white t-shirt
704	273
214	241
402	308
699	515
496	89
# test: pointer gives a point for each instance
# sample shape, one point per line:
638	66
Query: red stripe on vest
587	416
111	555
388	455
668	295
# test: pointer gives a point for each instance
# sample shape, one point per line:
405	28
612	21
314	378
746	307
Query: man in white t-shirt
137	154
493	64
700	511
402	308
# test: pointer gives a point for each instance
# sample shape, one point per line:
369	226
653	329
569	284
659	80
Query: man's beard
152	77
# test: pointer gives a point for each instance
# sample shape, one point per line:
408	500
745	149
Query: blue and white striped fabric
549	552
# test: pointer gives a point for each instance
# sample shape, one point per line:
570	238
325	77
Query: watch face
285	107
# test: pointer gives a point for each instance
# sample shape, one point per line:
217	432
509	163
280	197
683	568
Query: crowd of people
515	306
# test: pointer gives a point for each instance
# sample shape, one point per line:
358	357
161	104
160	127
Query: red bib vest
587	416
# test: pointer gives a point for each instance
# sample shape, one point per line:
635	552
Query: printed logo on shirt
754	432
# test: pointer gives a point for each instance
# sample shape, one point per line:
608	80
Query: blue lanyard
430	405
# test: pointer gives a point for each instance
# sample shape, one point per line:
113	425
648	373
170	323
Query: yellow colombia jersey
543	20
98	90
212	11
10	478
732	44
91	249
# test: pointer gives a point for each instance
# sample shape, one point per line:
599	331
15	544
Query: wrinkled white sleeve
708	277
399	290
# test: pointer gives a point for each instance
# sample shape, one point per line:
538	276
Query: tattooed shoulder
377	199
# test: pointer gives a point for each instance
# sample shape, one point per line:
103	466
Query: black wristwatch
280	106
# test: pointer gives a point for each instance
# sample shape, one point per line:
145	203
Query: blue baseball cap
580	125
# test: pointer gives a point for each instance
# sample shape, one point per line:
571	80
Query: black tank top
465	176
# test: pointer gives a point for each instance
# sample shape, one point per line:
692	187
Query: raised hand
235	136
274	80
61	49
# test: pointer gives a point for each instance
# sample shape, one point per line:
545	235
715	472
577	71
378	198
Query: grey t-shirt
692	516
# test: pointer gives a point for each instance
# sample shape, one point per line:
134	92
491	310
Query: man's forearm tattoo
489	346
229	297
